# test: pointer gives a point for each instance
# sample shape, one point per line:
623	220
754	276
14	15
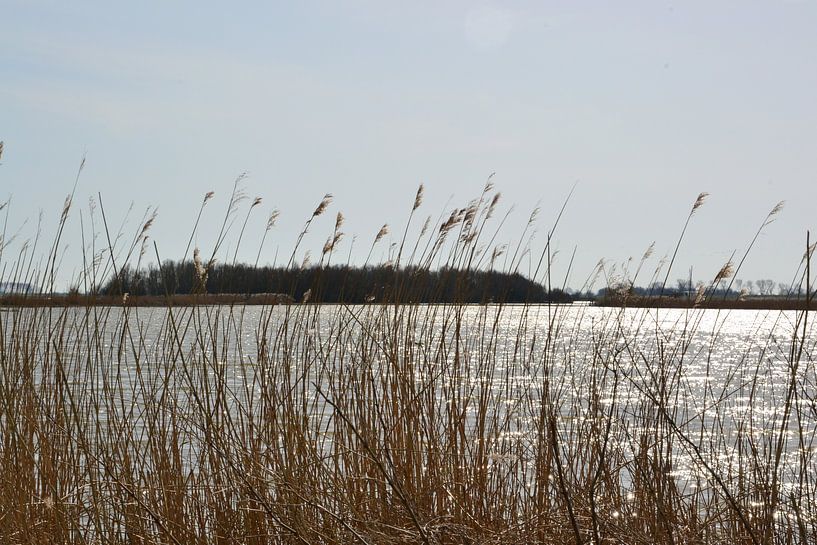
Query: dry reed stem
399	423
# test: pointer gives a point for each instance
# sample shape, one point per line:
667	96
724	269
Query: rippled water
726	385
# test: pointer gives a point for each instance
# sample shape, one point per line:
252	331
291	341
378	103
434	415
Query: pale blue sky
644	104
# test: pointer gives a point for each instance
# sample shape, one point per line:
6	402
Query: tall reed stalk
400	423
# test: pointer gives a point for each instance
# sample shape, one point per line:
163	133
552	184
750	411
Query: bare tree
764	286
782	288
684	285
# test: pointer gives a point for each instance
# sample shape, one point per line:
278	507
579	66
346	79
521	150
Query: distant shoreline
717	303
179	300
188	300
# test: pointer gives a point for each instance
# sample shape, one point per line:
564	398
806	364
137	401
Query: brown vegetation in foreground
399	423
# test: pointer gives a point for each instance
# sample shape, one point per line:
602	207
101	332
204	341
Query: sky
636	106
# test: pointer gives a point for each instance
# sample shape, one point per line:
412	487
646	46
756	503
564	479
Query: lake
439	403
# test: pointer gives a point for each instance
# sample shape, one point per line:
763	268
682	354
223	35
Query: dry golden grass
392	423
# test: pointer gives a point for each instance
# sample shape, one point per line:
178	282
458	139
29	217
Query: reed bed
401	423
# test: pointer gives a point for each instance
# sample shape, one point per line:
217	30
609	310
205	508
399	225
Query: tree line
334	284
685	287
